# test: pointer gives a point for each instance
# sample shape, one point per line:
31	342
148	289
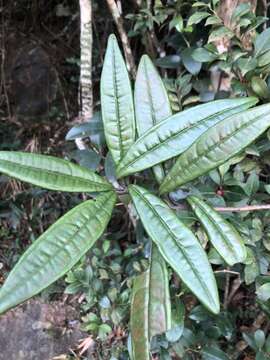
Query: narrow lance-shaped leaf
217	145
116	102
177	245
51	173
150	307
57	250
138	318
223	236
159	295
151	102
175	134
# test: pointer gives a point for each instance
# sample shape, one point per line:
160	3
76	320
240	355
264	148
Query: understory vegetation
143	203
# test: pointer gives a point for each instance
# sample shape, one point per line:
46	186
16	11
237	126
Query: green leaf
169	62
177	245
51	173
246	64
250	341
116	102
103	331
93	129
213	353
203	55
221	233
263	292
189	62
178	321
177	22
175	134
213	20
252	269
197	17
252	185
56	251
264	59
150	305
159	295
220	33
260	355
217	145
262	43
87	158
259	338
267	344
151	102
240	11
260	87
138	318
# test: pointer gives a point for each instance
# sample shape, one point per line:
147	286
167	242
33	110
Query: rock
33	82
39	331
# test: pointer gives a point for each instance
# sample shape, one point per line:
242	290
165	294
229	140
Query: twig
123	35
3	61
235	286
226	271
229	208
226	291
85	97
86	40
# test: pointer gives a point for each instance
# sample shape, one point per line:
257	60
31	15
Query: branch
85	97
123	35
86	42
229	209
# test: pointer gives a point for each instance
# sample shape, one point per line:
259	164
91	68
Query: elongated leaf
151	102
175	134
221	233
177	245
150	306
217	145
151	99
138	318
57	250
51	173
116	102
263	292
262	43
159	296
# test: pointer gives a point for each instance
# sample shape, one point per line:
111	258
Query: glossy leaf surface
117	102
139	318
177	245
150	307
57	250
159	296
221	233
217	145
151	102
50	172
175	134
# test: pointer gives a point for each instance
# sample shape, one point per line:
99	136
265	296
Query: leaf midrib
175	241
35	273
164	299
51	172
118	122
162	143
228	244
217	144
